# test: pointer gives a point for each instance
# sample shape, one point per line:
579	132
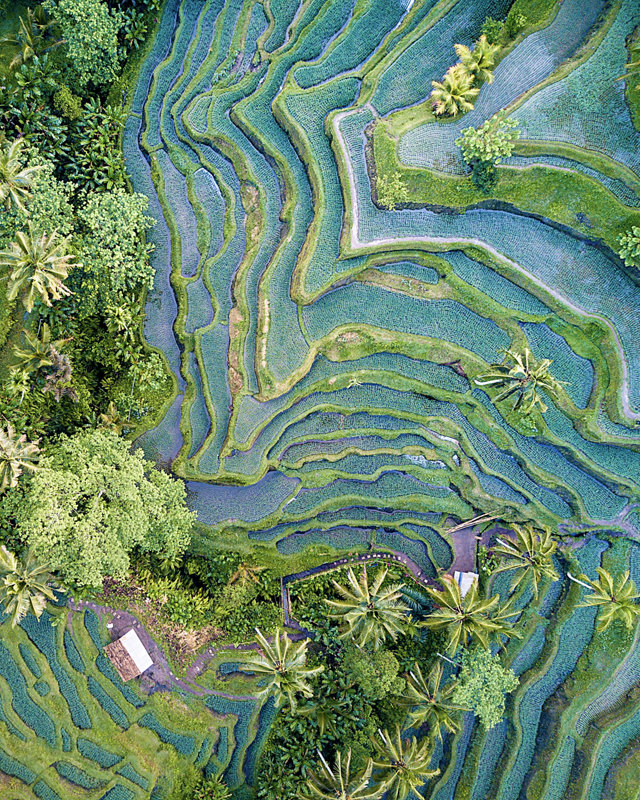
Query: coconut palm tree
479	61
38	266
340	783
455	93
281	665
468	617
16	454
530	553
431	702
404	766
24	585
522	375
369	614
31	38
15	179
245	574
37	351
613	602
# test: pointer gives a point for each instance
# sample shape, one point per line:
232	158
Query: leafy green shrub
375	673
128	772
493	29
391	191
482	685
491	142
69	105
45	792
629	250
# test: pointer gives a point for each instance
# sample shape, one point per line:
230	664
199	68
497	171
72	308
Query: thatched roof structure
128	655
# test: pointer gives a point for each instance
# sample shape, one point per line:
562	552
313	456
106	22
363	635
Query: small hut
128	655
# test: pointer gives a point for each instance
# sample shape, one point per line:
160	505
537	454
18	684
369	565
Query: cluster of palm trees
25	585
370	613
37	263
459	87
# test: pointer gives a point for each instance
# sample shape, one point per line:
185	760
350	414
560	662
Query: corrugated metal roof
136	650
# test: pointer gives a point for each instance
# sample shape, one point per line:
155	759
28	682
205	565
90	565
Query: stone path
160	677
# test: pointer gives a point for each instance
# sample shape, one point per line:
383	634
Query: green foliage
483	684
115	260
629	250
491	142
391	191
493	29
93	501
373	672
369	613
16	179
455	94
90	31
25	585
514	23
484	175
403	766
521	376
67	103
16	455
341	782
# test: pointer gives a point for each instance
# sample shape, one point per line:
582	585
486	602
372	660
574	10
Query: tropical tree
25	585
491	142
38	267
455	93
246	574
16	454
282	667
15	179
468	617
613	602
369	614
404	766
432	703
37	351
483	684
31	38
531	553
479	61
522	375
341	782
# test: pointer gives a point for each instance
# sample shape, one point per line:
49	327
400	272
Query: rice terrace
320	400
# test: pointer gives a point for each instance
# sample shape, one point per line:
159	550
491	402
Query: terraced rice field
323	348
70	728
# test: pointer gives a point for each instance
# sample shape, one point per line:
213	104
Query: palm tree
16	454
24	586
281	665
524	376
15	179
39	265
479	61
468	617
369	613
404	766
455	93
614	602
245	574
340	783
431	702
37	351
31	37
530	553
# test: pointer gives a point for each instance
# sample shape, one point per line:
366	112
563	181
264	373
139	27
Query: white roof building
129	656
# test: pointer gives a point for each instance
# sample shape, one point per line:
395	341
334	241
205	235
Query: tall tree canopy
92	502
